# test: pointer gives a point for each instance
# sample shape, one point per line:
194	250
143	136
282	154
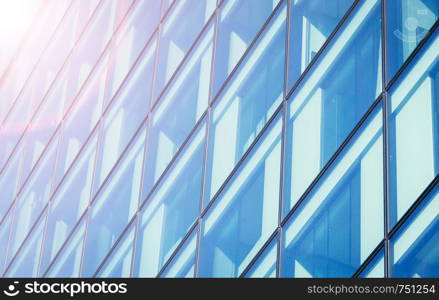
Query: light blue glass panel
239	22
25	264
130	40
183	264
80	121
332	98
113	207
265	266
32	199
9	181
178	110
375	269
247	103
341	221
408	21
179	31
311	23
69	203
5	229
415	247
245	214
118	264
68	262
171	210
413	130
126	113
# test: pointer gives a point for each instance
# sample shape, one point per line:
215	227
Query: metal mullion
366	263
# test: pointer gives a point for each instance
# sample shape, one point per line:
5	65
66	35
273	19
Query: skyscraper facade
229	138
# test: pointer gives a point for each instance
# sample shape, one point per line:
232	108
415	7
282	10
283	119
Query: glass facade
187	138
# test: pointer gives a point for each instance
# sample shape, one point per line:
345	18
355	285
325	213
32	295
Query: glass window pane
68	262
178	110
265	266
408	21
80	120
247	103
375	269
5	230
130	40
341	221
183	264
413	130
69	203
25	264
179	31
312	21
113	207
245	214
9	182
332	99
32	200
118	264
415	248
239	22
171	210
126	114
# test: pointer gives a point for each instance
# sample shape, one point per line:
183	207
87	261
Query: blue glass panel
247	103
171	210
239	22
178	33
114	206
25	264
118	263
332	98
265	266
341	221
408	21
415	247
414	129
177	112
32	199
375	268
245	214
183	264
129	42
311	23
68	203
68	262
126	113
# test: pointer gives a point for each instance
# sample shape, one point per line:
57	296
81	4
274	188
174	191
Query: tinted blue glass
171	210
415	248
332	99
375	268
25	264
178	110
68	262
113	207
342	220
118	263
183	264
245	214
126	113
265	266
68	204
311	23
247	103
239	22
178	33
408	21
413	130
